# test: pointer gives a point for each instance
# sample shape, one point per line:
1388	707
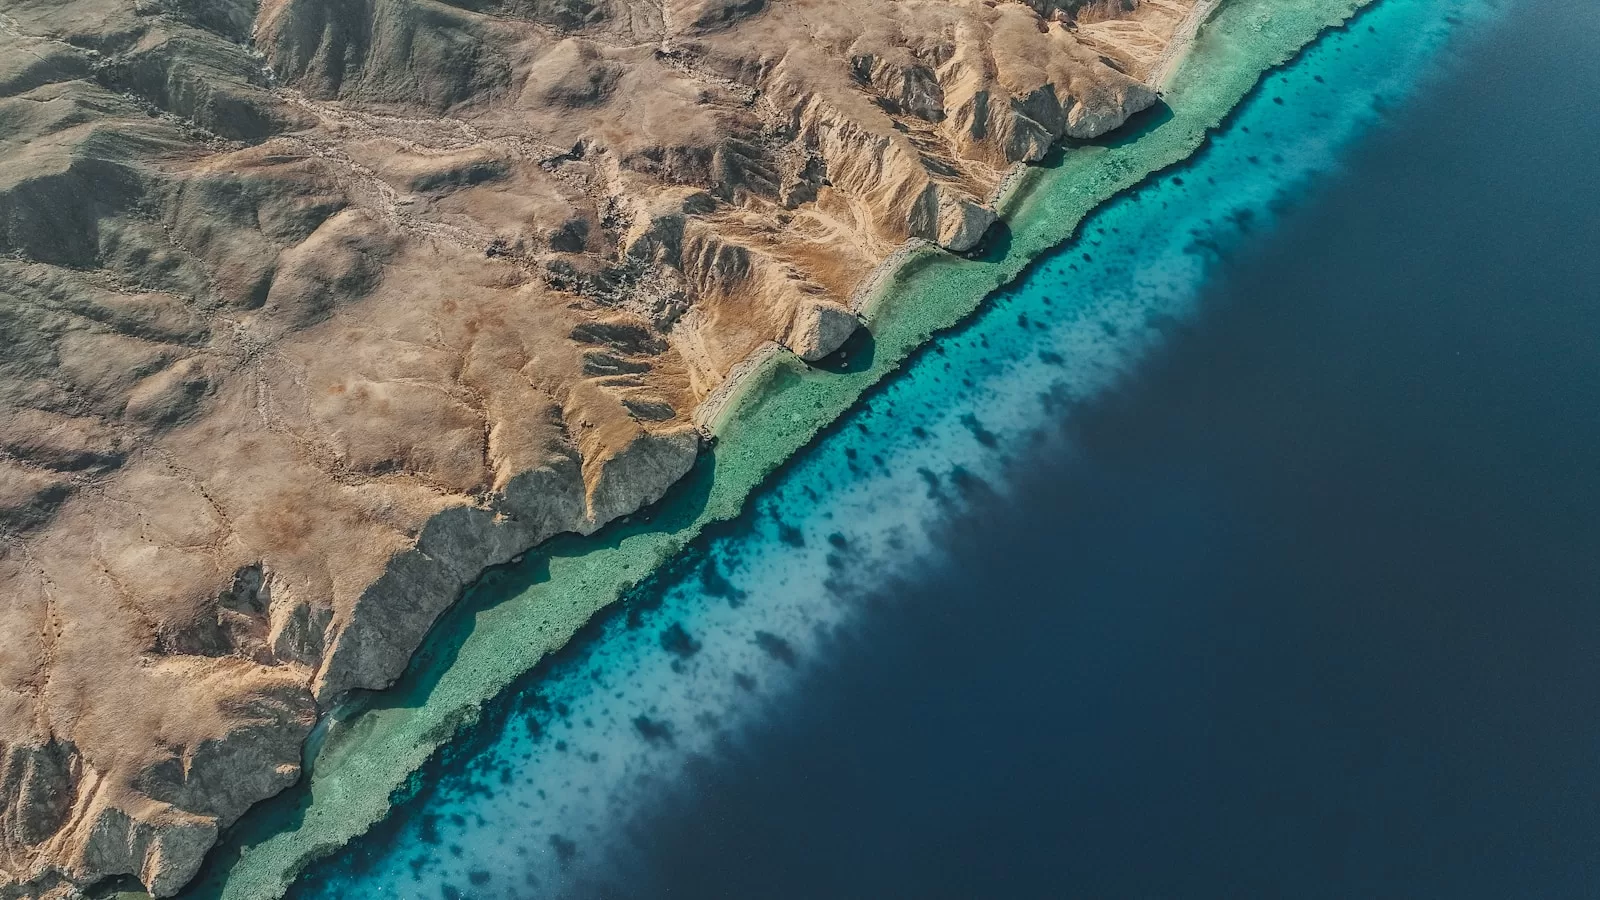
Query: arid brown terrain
313	309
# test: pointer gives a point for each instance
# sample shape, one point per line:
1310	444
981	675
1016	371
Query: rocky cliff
313	309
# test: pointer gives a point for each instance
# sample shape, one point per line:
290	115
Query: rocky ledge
314	309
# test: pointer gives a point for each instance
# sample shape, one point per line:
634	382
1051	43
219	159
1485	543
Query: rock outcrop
314	309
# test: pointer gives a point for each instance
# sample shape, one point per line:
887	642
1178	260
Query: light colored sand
1181	42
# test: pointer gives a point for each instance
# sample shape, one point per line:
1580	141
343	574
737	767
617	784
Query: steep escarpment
314	309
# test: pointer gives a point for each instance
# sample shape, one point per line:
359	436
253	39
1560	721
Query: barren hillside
313	309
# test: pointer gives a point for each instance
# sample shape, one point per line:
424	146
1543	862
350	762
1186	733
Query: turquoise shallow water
540	798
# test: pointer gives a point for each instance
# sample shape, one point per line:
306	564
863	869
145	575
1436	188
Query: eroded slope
313	309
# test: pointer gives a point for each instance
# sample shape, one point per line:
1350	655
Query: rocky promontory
312	310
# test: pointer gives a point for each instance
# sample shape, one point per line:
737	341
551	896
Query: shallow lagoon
636	759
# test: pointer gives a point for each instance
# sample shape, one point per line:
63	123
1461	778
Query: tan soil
313	309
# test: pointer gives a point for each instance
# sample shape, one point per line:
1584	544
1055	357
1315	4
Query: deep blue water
1249	547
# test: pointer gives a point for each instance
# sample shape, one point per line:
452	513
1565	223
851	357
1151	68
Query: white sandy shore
1178	46
710	410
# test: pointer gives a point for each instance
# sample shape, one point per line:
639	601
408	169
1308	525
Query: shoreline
725	396
710	409
1167	64
767	408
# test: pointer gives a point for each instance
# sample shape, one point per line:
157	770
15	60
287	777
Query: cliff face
314	309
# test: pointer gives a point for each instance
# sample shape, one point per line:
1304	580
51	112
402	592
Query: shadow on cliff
855	355
995	247
681	506
286	812
1132	131
1136	129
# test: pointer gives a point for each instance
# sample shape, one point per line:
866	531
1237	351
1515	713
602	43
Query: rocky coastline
320	310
